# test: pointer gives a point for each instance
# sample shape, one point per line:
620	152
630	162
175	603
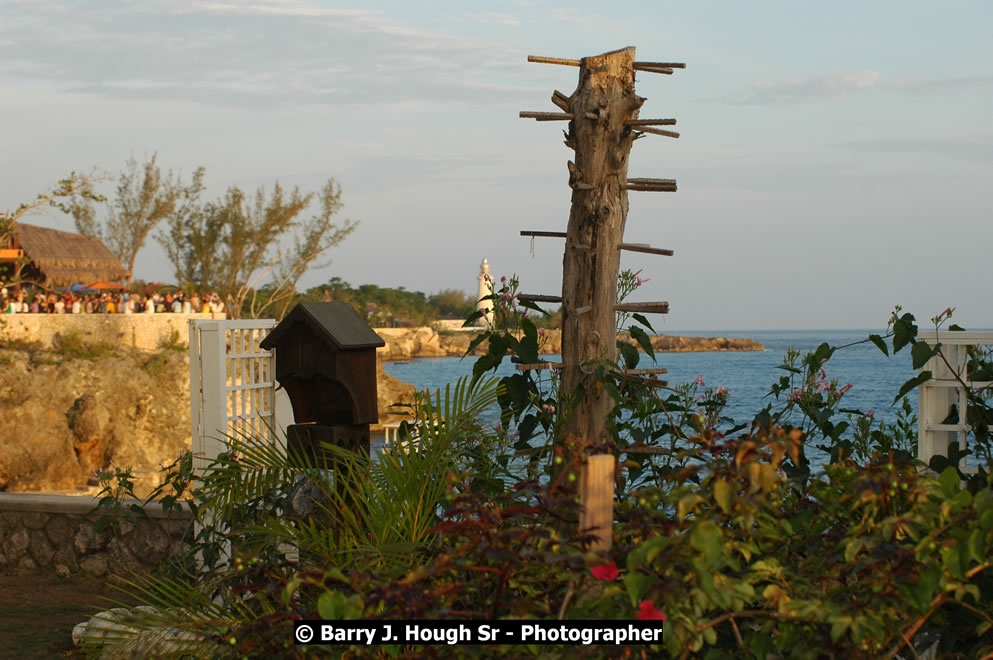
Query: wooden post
597	217
604	124
596	495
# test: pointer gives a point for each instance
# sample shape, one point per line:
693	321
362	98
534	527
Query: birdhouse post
326	361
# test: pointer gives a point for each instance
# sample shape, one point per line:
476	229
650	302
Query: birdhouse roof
336	323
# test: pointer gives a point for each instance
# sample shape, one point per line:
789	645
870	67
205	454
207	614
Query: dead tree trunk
601	105
603	124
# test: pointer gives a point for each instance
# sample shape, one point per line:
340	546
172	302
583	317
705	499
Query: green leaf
923	377
904	331
926	587
530	304
636	584
839	625
640	318
922	352
528	349
983	500
472	318
986	520
706	537
952	559
949	481
629	353
517	388
643	339
880	344
331	605
722	493
706	577
977	545
476	341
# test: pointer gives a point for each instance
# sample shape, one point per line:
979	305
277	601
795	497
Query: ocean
876	378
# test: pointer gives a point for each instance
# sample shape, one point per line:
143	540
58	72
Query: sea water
748	375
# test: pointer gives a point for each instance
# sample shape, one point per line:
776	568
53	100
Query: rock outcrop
64	418
393	395
61	419
408	343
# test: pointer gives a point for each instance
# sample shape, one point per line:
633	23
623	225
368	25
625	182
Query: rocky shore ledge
407	343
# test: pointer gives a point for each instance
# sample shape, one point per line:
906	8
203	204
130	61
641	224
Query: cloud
973	148
810	87
494	18
250	52
913	84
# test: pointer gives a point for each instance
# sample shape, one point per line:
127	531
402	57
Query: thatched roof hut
63	258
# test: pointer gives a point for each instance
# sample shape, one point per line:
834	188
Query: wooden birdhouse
326	362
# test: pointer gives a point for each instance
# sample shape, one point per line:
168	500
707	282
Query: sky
834	159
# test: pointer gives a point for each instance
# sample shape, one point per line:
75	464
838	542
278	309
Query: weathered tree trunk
601	104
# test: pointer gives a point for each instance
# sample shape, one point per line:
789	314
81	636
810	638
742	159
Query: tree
253	251
185	216
453	303
144	199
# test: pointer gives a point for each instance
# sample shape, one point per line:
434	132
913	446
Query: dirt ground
38	613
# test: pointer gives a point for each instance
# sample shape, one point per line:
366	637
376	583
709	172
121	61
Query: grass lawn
38	612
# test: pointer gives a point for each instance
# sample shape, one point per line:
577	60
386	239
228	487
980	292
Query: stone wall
51	534
144	331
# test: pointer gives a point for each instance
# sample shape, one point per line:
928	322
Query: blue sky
835	159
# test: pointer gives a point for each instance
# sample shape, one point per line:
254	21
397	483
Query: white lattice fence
937	396
232	385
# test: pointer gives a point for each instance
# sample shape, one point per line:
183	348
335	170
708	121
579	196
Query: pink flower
871	413
699	381
606	572
721	390
503	279
648	612
845	389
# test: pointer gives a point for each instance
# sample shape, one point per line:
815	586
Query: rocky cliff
68	411
407	343
63	416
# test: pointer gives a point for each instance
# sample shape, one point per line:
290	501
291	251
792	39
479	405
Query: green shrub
723	527
172	342
72	344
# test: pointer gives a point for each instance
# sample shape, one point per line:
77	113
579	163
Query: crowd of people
20	301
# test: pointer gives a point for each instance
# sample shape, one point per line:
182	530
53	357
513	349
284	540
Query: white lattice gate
232	386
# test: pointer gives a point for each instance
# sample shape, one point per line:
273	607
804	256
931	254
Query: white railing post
208	442
945	389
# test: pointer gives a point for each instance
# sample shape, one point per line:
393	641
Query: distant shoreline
424	342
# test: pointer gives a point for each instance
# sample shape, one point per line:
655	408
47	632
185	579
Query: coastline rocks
408	343
390	391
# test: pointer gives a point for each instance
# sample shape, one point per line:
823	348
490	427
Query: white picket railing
233	390
937	396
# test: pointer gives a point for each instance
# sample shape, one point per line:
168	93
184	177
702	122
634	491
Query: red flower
606	572
648	612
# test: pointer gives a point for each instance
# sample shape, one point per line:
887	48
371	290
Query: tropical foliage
726	528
